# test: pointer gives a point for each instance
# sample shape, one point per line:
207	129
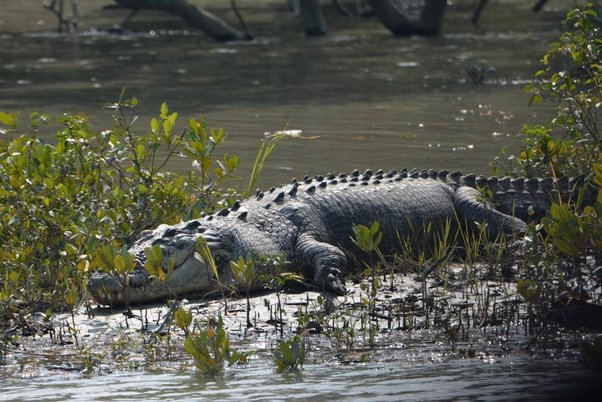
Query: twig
242	22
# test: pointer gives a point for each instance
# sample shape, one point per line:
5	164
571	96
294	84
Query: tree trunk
477	11
431	17
195	16
539	5
392	17
313	19
482	3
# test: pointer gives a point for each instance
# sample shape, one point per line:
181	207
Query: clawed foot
332	282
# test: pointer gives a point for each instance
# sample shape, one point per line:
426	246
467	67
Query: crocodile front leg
327	261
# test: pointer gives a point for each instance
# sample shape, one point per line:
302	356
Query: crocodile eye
170	232
192	225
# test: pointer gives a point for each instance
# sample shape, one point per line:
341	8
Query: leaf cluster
571	79
209	346
577	231
75	205
290	354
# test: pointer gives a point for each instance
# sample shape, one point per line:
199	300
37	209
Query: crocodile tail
525	198
472	209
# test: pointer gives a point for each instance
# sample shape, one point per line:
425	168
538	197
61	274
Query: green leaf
154	261
183	318
167	126
155	126
9	119
527	289
119	263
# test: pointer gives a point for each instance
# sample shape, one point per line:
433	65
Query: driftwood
57	7
393	17
193	15
313	18
578	314
482	3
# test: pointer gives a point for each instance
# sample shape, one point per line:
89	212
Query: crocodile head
187	270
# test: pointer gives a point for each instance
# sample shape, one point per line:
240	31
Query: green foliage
75	205
367	238
528	290
571	78
267	146
575	231
567	145
183	318
154	263
244	271
203	253
290	354
9	120
277	282
568	229
209	346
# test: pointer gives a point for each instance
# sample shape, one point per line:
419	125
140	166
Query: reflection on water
504	379
376	101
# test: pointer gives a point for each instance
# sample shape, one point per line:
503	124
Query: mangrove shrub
61	203
571	78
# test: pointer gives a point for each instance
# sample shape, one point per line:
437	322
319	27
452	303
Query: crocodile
306	227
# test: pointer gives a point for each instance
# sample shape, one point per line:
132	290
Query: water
375	100
501	379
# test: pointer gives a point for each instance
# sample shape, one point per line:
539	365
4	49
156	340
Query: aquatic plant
208	346
290	354
276	283
367	239
244	272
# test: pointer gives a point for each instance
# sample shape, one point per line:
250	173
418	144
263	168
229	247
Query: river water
374	100
519	378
